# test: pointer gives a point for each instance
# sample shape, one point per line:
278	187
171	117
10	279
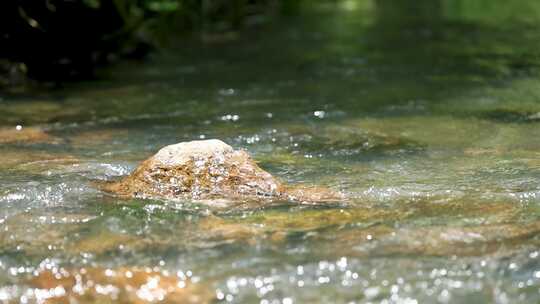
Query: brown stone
209	169
478	240
24	135
103	242
121	285
24	158
96	137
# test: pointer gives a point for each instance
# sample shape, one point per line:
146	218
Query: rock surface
209	169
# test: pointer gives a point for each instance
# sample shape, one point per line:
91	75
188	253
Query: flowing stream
433	135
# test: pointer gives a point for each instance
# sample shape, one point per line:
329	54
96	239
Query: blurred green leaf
162	5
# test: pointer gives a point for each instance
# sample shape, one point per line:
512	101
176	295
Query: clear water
431	131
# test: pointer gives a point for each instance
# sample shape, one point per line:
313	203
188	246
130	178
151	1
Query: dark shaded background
59	40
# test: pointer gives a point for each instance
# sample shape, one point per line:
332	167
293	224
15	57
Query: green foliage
75	36
162	5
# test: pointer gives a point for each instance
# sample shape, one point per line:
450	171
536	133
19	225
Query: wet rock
355	223
120	285
511	116
443	131
337	139
20	134
275	226
104	242
210	169
343	140
31	232
314	219
462	211
33	160
483	151
39	111
477	240
96	137
219	231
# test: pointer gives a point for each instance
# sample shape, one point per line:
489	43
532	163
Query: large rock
209	169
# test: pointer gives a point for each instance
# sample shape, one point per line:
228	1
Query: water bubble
371	292
227	92
287	301
319	114
230	117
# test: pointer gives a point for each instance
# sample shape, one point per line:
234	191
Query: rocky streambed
358	168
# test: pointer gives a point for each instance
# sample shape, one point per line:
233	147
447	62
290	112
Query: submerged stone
28	233
119	285
41	111
209	169
96	137
21	134
25	158
103	242
359	224
344	139
511	116
474	240
276	226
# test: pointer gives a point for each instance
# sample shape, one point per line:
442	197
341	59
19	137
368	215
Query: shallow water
432	133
